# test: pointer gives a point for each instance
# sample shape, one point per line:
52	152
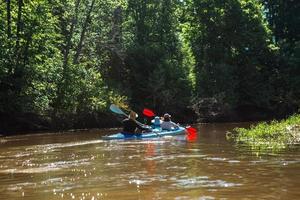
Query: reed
269	135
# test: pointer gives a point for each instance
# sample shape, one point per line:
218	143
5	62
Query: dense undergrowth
273	135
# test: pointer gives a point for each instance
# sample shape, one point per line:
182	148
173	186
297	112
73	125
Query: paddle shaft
117	110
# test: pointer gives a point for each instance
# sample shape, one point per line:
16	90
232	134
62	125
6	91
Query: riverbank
23	123
272	135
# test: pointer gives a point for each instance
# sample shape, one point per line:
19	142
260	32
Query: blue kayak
155	133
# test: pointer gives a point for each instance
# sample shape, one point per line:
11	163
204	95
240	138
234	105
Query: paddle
191	129
149	113
118	110
192	134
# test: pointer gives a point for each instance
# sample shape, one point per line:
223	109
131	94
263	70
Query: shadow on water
82	166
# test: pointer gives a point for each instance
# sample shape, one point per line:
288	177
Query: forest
64	62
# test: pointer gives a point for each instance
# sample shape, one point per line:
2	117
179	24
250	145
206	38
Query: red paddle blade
191	130
191	133
148	112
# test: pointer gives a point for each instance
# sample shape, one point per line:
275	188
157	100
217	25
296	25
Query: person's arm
175	125
143	128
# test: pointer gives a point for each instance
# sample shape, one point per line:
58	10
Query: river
79	165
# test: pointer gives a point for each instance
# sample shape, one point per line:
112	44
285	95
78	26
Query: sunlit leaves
229	44
69	57
274	135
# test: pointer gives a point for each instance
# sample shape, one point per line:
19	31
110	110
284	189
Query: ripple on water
203	181
171	157
216	159
234	161
112	164
19	186
275	162
29	170
47	167
59	184
142	142
200	198
206	198
61	145
176	167
135	178
137	182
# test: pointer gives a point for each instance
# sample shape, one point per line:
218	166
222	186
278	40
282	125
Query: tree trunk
68	43
19	28
8	11
69	37
142	32
82	35
26	49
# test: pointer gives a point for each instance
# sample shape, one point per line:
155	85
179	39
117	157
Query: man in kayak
130	124
167	124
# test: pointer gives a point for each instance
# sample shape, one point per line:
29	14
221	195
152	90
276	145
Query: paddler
167	124
130	125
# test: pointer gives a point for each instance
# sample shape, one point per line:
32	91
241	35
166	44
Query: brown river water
79	165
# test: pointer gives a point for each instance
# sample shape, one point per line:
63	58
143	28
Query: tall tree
8	13
19	28
154	60
284	18
83	31
284	21
60	103
26	56
231	42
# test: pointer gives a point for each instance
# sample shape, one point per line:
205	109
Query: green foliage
231	46
155	67
66	59
283	18
270	135
29	60
83	85
49	68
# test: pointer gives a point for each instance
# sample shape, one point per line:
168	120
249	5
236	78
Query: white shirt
168	125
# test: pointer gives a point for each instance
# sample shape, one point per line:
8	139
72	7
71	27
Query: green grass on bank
272	135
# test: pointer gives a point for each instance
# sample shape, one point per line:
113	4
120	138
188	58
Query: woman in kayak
167	124
130	125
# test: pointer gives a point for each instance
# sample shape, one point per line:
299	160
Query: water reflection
81	166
